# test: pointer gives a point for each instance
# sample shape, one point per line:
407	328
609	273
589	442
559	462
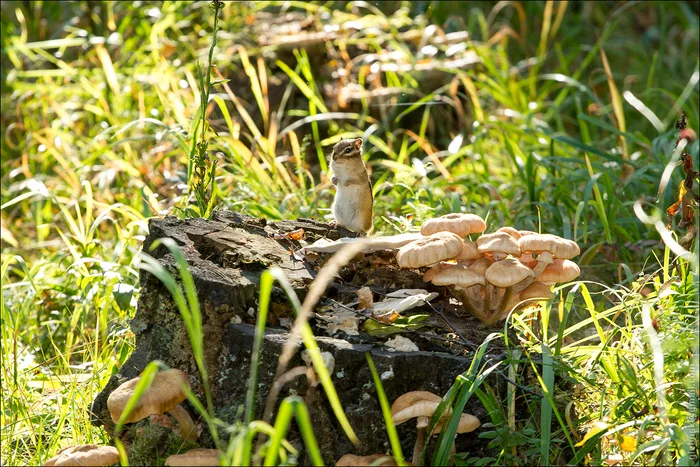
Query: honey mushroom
86	454
457	223
422	405
535	291
469	252
429	250
497	245
508	274
463	279
547	247
514	260
559	271
415	404
194	457
163	395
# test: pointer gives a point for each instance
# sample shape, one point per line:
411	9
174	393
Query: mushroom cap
352	459
560	270
528	260
86	454
422	408
458	274
164	393
481	265
536	290
469	251
560	247
460	224
524	233
498	242
513	232
467	424
430	273
198	456
507	272
406	400
429	250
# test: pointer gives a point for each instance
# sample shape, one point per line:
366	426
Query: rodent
353	204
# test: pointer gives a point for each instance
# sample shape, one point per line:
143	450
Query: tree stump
226	256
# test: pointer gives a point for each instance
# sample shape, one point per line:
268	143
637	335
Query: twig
522	388
465	342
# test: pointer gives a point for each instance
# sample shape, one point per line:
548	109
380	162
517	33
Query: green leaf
402	324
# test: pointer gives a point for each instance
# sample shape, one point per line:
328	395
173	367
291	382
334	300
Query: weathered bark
226	257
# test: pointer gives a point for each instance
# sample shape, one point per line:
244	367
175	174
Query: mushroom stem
187	429
496	316
453	452
523	284
418	447
487	299
543	259
473	305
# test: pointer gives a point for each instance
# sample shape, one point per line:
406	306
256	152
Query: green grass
101	135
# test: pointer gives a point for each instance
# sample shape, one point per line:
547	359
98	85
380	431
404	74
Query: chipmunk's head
347	149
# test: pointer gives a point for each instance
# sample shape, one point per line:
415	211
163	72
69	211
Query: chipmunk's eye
347	150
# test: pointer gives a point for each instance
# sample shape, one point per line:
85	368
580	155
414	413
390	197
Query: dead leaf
295	234
387	318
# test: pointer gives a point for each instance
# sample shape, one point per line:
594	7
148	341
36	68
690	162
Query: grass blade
386	412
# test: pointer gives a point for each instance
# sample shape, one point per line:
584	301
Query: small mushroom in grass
415	404
460	224
507	274
194	457
561	270
86	454
163	395
547	247
497	245
429	250
351	460
467	424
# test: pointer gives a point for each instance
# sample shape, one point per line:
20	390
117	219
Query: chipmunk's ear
358	143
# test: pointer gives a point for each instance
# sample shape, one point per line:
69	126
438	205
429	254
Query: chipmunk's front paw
334	180
333	224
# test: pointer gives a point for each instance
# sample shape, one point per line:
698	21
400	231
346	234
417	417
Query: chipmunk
352	207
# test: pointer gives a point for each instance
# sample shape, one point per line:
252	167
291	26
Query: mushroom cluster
497	272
